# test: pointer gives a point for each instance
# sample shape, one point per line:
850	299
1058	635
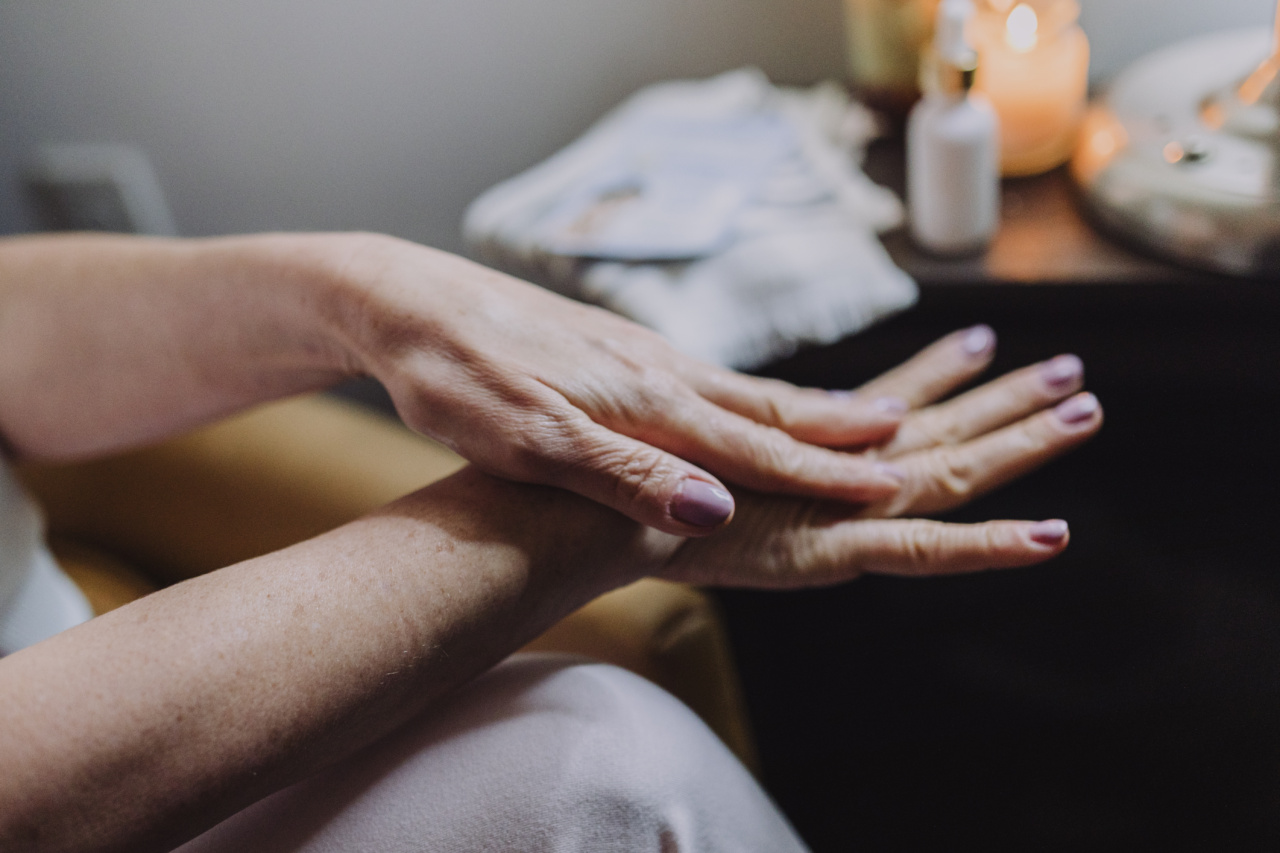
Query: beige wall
377	114
392	114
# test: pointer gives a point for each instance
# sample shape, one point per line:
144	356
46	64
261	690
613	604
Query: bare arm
141	728
108	342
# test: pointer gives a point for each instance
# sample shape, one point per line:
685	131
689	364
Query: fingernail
891	405
979	340
1049	532
1078	409
843	395
891	471
701	504
1062	372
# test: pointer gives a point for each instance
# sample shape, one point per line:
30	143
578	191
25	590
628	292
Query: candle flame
1021	28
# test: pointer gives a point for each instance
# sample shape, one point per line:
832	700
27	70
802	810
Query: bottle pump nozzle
954	61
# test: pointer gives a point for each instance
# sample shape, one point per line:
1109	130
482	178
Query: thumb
640	481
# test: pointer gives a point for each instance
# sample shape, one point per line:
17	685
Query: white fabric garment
543	754
727	214
37	600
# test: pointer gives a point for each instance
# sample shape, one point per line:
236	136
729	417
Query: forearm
150	723
108	341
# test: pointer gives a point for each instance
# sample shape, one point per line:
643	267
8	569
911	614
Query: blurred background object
392	115
953	144
330	114
1035	69
886	38
89	187
1182	155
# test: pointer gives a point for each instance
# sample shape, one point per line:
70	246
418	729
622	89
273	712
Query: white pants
545	753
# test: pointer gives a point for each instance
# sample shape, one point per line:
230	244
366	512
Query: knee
625	765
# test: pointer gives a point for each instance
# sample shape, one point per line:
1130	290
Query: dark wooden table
1122	697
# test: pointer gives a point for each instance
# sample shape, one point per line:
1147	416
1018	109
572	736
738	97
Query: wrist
572	545
303	291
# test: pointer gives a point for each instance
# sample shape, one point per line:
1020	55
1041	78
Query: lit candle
1034	66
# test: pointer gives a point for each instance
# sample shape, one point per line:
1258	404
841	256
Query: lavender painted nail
1078	409
1049	532
843	395
1062	372
891	405
979	340
891	471
701	504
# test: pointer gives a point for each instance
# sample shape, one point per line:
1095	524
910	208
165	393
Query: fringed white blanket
729	215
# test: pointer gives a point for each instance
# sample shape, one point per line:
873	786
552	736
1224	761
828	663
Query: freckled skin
213	693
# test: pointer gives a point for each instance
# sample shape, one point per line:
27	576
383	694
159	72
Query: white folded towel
727	214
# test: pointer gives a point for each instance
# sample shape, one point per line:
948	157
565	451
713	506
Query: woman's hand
951	452
536	388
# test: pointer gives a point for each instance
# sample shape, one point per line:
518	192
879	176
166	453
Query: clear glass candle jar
885	38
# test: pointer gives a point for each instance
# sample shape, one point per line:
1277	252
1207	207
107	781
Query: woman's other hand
951	452
537	388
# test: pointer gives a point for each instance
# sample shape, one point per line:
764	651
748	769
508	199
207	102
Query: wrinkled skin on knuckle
771	412
538	451
772	544
812	546
1002	540
952	476
779	459
934	429
632	398
918	546
640	475
998	539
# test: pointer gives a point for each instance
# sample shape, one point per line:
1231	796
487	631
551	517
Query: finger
642	482
946	477
938	369
764	458
920	548
827	418
996	404
811	548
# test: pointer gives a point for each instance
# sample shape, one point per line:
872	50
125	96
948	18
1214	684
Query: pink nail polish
891	405
1078	409
891	471
978	340
1062	372
1049	532
701	504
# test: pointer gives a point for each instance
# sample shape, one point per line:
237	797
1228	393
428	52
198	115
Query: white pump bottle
953	146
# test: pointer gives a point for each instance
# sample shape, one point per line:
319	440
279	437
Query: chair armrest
249	485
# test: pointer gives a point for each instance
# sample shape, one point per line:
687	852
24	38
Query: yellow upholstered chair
126	525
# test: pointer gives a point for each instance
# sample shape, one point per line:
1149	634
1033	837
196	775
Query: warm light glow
1001	6
1174	152
1102	138
1213	115
1259	81
1105	144
1021	28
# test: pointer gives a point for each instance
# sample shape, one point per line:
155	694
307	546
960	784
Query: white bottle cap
950	36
